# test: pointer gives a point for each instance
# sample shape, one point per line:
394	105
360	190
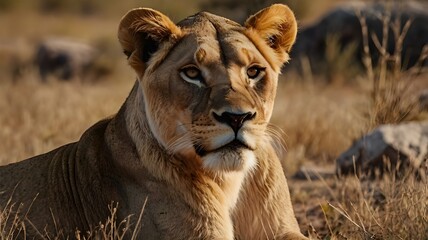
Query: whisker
179	142
275	130
275	133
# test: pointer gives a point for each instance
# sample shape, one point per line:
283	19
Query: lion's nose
235	121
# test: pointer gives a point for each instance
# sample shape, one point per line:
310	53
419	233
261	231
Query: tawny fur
202	177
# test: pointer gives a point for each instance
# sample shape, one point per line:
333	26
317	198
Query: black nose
235	121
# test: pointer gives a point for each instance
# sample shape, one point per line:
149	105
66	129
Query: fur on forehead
203	17
147	35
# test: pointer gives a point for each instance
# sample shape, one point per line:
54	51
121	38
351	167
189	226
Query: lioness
192	137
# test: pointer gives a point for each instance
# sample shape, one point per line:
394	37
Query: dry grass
359	208
393	97
14	224
386	209
36	118
114	228
382	208
319	122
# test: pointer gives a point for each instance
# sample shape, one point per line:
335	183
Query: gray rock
15	58
64	59
394	147
342	25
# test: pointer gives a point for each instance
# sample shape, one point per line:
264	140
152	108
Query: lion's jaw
241	159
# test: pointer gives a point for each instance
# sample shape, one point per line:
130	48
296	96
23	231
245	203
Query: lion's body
191	141
64	186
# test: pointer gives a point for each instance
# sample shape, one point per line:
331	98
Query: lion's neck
230	183
151	154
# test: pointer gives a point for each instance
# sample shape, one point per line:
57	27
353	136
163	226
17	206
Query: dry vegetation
318	120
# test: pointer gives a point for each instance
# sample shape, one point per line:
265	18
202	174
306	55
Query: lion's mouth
231	146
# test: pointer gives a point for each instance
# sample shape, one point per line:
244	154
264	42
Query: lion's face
208	87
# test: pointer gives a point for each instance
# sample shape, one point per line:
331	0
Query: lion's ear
141	31
277	26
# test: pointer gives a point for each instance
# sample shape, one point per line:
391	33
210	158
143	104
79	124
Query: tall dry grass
319	121
361	208
388	207
14	224
36	118
393	95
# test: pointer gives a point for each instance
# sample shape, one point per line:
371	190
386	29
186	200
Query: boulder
64	59
336	38
388	147
15	58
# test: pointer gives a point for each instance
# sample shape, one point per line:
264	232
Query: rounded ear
141	31
277	26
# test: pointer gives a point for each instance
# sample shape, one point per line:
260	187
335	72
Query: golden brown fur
192	138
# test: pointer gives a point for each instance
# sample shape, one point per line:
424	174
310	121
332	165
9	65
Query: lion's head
208	83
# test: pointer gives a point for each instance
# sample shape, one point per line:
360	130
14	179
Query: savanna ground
318	118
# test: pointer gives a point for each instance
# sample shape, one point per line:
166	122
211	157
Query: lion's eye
253	72
256	72
192	74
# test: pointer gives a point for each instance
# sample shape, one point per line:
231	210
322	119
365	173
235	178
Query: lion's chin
228	160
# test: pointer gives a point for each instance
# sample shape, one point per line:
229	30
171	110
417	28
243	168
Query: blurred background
26	24
355	66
